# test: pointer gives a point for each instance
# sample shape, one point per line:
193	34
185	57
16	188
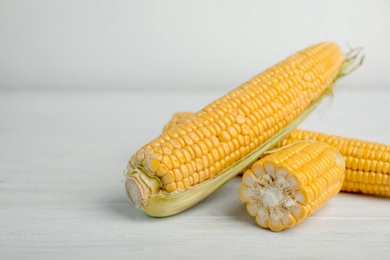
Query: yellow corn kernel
367	163
178	117
236	129
282	189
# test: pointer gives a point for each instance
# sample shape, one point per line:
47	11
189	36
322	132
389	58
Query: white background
178	45
82	88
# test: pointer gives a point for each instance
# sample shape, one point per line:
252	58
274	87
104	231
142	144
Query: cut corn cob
290	184
367	163
194	158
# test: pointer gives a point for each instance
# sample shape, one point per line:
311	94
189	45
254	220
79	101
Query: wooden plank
62	194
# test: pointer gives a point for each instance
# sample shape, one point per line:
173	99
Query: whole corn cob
194	158
283	188
367	163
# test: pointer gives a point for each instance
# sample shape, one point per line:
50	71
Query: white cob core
135	192
272	196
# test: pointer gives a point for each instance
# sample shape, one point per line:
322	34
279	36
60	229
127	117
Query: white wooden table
62	190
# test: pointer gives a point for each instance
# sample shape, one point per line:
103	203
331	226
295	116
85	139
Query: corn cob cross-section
283	188
190	160
367	163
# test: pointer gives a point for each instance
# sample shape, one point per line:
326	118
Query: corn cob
290	184
194	158
367	163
